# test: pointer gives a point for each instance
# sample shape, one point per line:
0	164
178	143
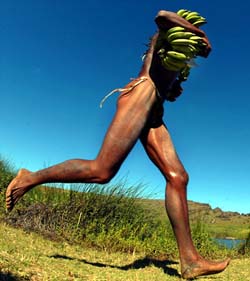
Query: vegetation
220	224
108	217
28	256
6	173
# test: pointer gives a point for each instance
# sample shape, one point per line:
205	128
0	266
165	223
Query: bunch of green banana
182	47
193	17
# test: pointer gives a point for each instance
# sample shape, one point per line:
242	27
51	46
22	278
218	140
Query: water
229	243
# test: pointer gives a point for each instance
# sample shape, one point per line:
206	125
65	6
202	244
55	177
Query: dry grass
28	256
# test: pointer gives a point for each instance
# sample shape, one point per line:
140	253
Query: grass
102	216
28	256
95	233
112	217
105	217
230	229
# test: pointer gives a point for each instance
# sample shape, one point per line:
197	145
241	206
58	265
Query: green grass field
28	256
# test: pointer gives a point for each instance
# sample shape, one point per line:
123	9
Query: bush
108	217
6	174
245	248
204	242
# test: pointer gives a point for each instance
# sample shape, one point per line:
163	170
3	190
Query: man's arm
166	20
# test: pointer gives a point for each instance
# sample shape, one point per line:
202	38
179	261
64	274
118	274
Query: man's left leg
159	147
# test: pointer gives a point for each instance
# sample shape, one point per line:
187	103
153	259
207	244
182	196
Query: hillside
220	223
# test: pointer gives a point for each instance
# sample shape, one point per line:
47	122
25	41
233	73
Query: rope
126	90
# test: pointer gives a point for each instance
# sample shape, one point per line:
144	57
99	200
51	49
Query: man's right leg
132	112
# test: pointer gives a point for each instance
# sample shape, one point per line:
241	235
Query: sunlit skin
138	116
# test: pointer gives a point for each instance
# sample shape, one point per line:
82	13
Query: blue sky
59	58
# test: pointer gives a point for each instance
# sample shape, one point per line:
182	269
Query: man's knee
103	178
103	174
178	178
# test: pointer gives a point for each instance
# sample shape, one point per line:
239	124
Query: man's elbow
163	19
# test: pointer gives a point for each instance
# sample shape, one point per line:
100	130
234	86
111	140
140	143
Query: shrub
108	217
205	244
245	248
6	174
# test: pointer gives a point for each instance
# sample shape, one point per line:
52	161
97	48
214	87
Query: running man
138	117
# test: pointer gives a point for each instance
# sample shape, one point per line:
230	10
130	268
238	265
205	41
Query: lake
229	243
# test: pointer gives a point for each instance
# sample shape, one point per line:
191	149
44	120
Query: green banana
203	44
196	38
177	55
185	14
193	49
180	35
174	29
172	64
161	51
191	15
180	64
169	66
193	18
186	50
199	22
184	42
181	11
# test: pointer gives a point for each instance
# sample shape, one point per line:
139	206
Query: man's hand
205	51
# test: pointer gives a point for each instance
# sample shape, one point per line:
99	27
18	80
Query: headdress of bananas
179	47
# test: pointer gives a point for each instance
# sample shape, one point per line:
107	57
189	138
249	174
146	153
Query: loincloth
156	113
126	90
155	118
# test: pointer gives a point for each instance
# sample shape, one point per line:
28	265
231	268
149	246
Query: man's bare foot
203	267
16	189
